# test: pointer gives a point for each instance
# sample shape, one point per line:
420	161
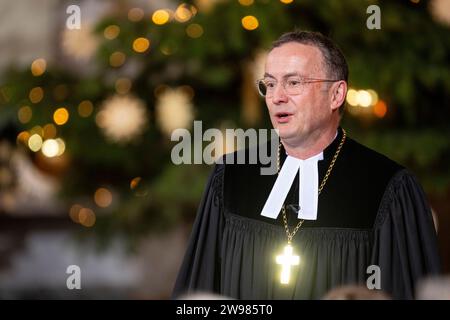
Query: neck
314	144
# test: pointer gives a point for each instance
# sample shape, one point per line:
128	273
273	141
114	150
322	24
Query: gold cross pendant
287	259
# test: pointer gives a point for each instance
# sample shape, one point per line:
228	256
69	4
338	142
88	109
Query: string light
61	146
24	114
103	197
183	13
246	2
250	22
135	182
123	85
74	212
111	32
85	108
141	45
380	109
194	30
117	59
61	116
35	142
23	137
37	130
135	14
364	98
50	148
38	67
49	131
86	217
36	95
160	17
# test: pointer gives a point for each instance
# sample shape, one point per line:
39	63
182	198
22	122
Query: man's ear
338	94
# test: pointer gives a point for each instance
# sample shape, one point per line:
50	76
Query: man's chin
287	134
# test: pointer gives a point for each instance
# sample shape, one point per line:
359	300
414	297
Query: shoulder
246	187
356	186
404	191
370	161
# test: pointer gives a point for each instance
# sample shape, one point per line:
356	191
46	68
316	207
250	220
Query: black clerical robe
371	211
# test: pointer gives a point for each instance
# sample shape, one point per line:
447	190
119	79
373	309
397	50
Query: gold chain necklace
287	259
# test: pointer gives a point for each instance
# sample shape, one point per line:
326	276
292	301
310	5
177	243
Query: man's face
298	116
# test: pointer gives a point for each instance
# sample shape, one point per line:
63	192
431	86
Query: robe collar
309	175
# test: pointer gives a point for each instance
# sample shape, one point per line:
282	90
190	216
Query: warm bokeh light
111	32
380	109
250	22
38	67
36	95
364	98
103	197
24	114
135	182
160	17
61	146
135	14
123	85
74	212
35	142
352	97
141	44
86	217
61	116
23	137
193	9
117	59
373	97
286	1
246	2
49	131
183	13
37	130
85	108
194	30
50	148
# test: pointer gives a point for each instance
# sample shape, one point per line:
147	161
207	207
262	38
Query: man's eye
270	85
293	83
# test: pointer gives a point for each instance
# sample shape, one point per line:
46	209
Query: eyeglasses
292	85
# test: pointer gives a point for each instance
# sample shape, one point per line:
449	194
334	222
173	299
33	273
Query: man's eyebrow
268	75
287	75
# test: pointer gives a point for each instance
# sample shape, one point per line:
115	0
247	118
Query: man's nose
279	94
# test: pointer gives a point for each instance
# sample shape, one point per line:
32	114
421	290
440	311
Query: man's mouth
283	117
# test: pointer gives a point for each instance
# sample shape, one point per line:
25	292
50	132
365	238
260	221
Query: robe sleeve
200	270
405	242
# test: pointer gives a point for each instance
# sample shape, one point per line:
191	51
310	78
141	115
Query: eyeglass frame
304	80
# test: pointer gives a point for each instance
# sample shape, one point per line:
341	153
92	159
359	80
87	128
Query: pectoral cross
287	259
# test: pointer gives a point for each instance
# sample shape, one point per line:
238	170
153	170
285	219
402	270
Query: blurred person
335	207
434	288
355	292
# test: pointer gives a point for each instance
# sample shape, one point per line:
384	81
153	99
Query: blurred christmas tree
105	133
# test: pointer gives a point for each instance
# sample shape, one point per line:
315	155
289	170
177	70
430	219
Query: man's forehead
292	56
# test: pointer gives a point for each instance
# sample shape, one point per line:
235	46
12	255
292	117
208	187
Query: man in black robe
366	220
